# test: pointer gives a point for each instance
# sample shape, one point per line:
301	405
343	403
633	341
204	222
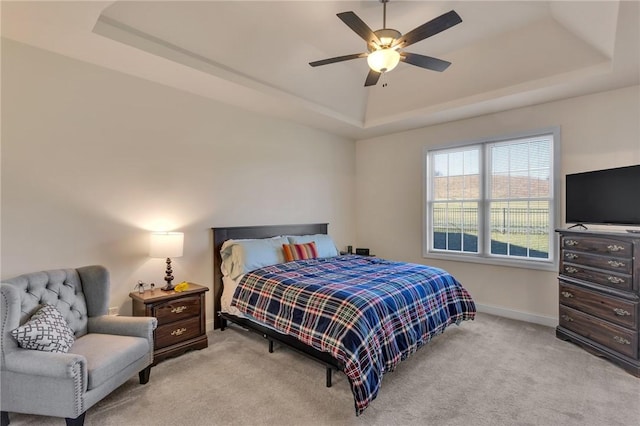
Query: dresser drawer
175	310
615	264
609	279
176	332
610	335
613	309
608	246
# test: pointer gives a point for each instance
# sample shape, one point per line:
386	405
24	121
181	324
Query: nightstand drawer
181	319
619	311
610	335
175	310
176	332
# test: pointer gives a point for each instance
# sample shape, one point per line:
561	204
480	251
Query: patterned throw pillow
46	330
299	251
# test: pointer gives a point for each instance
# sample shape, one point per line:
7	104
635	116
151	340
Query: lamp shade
166	244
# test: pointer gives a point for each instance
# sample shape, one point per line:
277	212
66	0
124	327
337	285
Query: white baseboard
209	326
517	315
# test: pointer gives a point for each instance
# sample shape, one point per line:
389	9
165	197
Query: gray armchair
107	350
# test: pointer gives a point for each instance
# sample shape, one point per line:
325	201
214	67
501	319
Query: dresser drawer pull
621	340
567	318
615	280
616	264
571	256
570	269
614	248
621	312
178	309
178	331
566	294
571	243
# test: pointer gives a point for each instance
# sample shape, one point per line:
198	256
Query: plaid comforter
368	313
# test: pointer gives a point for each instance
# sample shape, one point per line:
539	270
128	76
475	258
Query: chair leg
4	418
144	375
78	421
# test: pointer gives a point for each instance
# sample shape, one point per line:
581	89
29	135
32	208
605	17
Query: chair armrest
49	364
123	325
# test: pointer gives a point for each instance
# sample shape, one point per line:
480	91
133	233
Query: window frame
484	256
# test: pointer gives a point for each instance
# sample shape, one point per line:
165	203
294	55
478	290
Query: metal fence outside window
503	220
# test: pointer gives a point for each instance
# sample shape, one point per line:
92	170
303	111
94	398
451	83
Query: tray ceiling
255	54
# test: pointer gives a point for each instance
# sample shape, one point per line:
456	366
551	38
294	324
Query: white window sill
542	265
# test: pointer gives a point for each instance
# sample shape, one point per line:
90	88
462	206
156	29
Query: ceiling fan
384	46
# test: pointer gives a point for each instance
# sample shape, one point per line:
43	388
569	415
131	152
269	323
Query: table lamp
167	244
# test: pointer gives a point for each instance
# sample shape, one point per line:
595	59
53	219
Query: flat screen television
610	197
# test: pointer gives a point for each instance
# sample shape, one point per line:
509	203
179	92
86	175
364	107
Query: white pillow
46	330
325	245
242	256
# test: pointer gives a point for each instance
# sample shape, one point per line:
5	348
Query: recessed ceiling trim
118	31
486	98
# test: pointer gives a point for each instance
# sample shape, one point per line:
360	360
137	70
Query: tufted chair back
68	290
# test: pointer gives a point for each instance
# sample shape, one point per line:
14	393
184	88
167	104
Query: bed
360	315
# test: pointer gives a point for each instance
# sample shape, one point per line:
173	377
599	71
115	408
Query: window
493	201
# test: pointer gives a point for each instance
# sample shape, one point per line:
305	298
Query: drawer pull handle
621	312
570	269
621	340
178	309
178	331
615	280
571	256
571	243
615	263
566	294
567	318
614	247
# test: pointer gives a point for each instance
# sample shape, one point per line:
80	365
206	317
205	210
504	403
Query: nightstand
181	319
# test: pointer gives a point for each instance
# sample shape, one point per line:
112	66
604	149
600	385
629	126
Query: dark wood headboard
220	235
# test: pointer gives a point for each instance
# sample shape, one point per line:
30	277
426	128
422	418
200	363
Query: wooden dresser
181	319
599	294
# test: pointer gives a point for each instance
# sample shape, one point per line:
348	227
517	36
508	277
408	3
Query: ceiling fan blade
422	61
429	29
359	27
372	78
337	59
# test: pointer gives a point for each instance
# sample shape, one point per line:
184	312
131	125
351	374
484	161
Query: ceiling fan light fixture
383	60
387	36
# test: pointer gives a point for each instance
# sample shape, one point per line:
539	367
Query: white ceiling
255	55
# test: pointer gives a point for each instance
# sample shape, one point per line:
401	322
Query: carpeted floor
492	371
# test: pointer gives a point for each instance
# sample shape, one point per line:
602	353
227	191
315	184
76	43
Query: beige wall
93	159
597	131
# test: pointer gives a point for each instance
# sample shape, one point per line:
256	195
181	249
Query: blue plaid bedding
368	313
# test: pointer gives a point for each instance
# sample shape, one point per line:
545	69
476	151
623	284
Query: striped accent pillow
300	251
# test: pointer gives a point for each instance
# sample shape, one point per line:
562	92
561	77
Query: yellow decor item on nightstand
181	287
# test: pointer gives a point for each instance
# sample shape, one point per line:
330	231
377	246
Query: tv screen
610	196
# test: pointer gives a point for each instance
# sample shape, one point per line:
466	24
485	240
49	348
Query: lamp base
168	277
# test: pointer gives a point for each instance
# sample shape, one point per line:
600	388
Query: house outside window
494	201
